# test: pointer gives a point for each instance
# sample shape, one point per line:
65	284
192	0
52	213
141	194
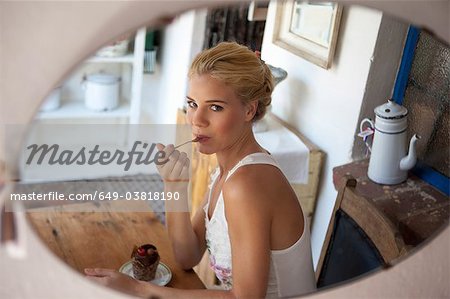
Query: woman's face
217	116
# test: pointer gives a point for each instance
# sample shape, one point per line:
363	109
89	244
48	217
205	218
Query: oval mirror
87	170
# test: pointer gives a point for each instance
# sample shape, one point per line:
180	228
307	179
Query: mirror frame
112	21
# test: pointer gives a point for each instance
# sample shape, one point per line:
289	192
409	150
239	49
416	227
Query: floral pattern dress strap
218	244
217	239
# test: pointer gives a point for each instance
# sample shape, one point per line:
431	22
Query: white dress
291	269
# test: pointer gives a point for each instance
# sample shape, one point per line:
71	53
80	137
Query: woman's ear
251	109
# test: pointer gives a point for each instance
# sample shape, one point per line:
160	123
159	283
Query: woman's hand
175	168
118	281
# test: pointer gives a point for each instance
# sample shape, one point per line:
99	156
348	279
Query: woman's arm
121	282
187	237
249	217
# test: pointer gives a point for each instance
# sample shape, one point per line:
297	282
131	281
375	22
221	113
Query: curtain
231	24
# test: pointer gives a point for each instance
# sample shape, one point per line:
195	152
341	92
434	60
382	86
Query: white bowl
52	102
119	48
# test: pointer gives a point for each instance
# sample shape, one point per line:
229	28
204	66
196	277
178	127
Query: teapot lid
391	110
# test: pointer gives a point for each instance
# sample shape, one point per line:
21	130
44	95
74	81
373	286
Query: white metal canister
101	91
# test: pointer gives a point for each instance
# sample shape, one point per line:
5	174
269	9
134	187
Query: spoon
193	140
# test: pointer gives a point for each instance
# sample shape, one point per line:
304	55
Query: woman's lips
202	138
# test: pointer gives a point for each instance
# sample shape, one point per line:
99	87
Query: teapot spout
408	162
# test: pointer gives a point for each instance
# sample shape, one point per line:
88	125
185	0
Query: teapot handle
368	120
365	133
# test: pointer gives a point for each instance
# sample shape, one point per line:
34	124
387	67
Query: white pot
390	158
53	100
101	91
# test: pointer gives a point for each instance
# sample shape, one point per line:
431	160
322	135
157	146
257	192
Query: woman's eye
216	108
192	104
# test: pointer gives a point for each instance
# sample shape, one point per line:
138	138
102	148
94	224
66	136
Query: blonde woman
251	223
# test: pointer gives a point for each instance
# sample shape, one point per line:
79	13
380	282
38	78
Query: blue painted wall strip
405	65
425	172
434	178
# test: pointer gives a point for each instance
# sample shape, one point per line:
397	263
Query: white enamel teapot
389	161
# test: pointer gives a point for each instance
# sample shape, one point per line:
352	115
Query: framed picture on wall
308	29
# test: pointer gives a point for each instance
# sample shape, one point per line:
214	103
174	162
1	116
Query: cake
145	260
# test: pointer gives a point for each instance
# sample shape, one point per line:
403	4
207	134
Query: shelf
129	109
129	58
77	109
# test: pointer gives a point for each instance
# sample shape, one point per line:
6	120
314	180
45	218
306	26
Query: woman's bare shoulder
256	182
254	175
247	199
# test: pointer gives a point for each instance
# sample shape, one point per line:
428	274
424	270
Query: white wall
150	95
325	104
182	40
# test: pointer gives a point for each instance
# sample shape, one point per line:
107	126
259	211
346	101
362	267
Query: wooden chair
359	239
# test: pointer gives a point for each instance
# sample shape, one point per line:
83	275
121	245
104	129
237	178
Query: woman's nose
199	118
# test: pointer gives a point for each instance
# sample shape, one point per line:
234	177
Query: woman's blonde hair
239	68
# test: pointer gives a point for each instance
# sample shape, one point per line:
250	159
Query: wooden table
105	239
417	209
